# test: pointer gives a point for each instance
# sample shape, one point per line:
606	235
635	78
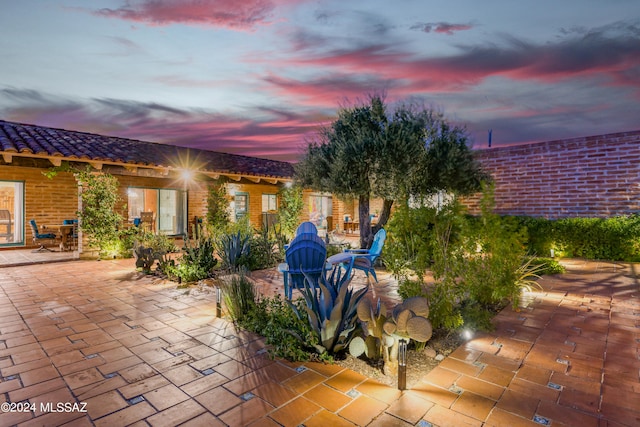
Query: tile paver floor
136	350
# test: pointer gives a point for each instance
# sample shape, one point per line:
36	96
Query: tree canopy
368	152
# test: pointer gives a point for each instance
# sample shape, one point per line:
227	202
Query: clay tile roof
39	140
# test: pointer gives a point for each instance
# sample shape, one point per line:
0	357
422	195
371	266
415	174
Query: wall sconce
402	365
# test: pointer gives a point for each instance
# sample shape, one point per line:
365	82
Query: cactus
408	321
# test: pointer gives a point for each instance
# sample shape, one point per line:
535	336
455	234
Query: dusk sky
258	77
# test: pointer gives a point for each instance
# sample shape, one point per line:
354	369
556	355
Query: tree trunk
384	215
366	235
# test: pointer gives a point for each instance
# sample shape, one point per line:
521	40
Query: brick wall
595	176
48	201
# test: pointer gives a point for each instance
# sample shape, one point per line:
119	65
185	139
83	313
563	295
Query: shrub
239	296
616	238
289	210
286	334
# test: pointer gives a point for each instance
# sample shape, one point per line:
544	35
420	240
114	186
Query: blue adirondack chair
364	259
307	253
306	227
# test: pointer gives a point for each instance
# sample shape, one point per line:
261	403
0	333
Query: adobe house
172	182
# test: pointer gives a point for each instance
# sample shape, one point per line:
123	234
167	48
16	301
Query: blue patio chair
74	232
364	259
306	227
40	238
306	254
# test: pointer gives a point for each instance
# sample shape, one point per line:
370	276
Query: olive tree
368	152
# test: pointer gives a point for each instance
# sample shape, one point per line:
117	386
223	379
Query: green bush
547	266
615	238
239	296
285	333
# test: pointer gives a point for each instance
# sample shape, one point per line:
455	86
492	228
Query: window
269	202
241	204
320	207
168	207
11	213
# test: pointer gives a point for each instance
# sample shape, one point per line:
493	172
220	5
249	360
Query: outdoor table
351	226
65	230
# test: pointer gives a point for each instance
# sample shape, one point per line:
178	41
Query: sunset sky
258	77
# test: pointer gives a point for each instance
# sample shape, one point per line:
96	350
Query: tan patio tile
182	375
14	418
116	353
480	387
326	418
274	393
204	420
25	367
53	419
294	412
103	386
444	417
137	373
28	356
176	414
83	378
118	365
473	405
534	374
441	377
345	380
379	391
304	381
38	375
126	416
409	408
144	386
565	415
104	404
203	384
362	410
518	403
163	397
218	400
435	394
212	361
24	393
500	418
247	412
326	369
328	397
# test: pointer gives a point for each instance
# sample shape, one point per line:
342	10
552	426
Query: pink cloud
441	27
232	14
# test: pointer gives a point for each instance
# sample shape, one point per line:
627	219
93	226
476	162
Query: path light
218	302
402	365
467	333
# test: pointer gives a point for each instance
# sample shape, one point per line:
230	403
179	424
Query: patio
139	351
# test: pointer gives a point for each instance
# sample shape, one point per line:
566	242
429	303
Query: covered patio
137	349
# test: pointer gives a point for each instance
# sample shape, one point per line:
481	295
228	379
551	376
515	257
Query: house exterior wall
48	201
596	176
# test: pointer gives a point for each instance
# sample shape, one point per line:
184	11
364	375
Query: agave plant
234	250
331	309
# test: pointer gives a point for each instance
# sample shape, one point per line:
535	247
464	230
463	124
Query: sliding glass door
11	213
167	207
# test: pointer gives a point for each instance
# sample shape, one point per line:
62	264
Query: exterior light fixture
218	302
402	365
